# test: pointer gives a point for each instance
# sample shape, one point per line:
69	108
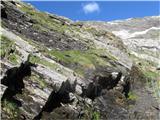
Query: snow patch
124	34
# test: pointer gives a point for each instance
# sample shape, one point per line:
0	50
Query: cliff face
54	68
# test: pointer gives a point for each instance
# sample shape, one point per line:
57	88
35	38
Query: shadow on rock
99	83
14	81
57	97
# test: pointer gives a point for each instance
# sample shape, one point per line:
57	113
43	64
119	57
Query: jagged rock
56	98
78	89
119	88
88	101
114	75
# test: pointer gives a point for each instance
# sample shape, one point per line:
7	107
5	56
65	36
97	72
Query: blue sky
99	10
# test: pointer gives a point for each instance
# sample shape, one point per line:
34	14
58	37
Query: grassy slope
78	60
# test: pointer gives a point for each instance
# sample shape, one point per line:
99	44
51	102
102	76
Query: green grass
35	59
44	22
96	116
11	109
155	87
13	58
77	60
6	46
90	113
151	74
87	58
132	96
39	80
96	32
81	60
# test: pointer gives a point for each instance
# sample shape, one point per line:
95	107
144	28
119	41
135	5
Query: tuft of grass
90	113
36	59
132	96
39	80
13	58
157	89
96	116
11	109
155	85
6	46
5	50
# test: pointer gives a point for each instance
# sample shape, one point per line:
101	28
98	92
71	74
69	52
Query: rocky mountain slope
141	35
55	68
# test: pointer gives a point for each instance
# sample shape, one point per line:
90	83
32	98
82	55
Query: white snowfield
125	34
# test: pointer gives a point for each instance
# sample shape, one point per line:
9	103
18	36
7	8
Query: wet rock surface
53	68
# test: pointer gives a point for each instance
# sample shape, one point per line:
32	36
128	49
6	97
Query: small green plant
132	96
13	58
96	116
